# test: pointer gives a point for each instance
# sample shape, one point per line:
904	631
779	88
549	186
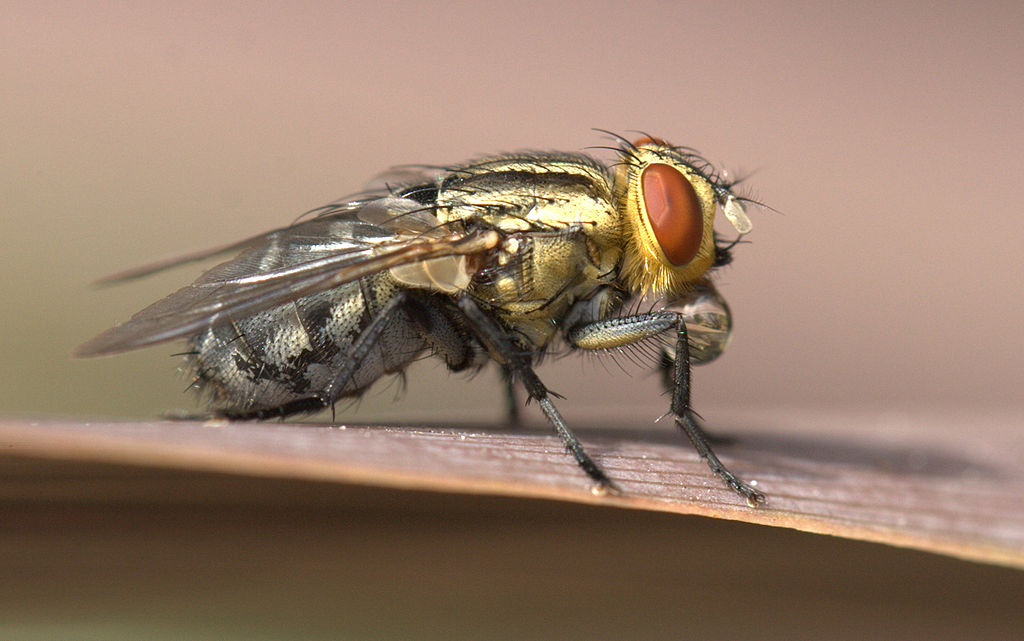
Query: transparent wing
400	215
290	263
161	265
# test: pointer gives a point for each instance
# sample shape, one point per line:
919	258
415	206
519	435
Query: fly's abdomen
303	350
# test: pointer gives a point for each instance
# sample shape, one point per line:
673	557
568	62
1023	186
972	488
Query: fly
493	260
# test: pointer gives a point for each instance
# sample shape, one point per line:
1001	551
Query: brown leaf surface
951	485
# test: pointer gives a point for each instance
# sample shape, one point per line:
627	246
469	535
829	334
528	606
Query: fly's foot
693	431
747	491
605	488
753	497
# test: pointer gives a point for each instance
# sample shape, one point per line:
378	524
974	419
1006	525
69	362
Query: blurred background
888	137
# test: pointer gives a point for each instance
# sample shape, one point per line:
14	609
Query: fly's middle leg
517	365
618	332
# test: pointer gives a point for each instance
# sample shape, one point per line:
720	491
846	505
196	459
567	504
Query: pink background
890	138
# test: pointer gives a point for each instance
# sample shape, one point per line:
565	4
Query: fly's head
668	197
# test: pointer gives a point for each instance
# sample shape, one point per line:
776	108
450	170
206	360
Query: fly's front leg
618	332
517	365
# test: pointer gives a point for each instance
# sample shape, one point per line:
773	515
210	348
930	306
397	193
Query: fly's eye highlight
674	211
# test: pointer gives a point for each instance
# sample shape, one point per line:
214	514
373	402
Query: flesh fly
493	260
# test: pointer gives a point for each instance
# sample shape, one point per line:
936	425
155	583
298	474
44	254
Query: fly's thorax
533	192
536	277
668	209
562	234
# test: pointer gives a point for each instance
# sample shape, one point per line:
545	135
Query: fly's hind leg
368	339
517	365
618	332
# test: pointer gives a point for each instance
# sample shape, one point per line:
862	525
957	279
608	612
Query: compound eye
674	212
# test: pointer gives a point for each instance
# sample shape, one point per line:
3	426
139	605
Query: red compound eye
674	212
